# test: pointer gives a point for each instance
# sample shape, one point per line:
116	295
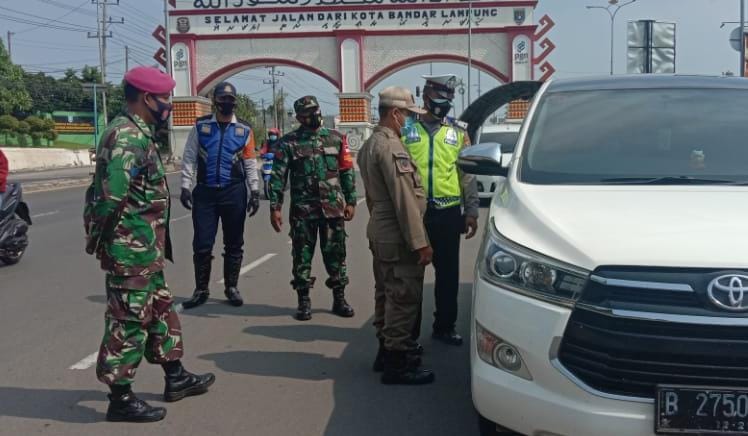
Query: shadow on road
50	404
413	411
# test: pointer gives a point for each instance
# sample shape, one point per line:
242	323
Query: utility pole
10	46
102	34
283	111
264	117
273	81
127	58
470	47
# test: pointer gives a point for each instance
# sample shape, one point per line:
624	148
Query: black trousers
445	228
228	204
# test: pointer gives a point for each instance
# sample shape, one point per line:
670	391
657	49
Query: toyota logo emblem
729	292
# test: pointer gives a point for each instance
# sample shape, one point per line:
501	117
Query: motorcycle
267	171
15	220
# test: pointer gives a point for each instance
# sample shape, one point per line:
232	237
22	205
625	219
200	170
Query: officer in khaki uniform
397	236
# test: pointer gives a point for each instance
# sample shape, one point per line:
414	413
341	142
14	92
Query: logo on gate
519	16
183	24
729	292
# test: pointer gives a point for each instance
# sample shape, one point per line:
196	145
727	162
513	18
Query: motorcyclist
271	143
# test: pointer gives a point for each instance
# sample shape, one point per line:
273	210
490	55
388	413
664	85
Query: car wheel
490	428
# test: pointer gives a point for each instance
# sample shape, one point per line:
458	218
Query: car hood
669	226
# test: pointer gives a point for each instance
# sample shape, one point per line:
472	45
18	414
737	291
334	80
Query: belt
220	186
444	202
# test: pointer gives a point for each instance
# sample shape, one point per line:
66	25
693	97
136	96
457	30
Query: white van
505	134
611	291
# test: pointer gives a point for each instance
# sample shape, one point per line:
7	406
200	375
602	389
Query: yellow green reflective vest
436	158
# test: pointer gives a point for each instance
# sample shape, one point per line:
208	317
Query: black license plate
701	410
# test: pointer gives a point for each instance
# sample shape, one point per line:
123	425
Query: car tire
490	428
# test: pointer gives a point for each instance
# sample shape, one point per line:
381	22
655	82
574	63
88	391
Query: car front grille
627	356
633	330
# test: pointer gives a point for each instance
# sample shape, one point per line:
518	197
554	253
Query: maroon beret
150	80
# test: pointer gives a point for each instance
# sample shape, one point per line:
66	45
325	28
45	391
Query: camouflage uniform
322	184
127	226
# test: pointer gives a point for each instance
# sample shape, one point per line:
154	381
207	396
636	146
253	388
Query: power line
85	2
68	7
48	20
38	24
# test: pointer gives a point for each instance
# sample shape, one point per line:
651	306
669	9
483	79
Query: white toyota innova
611	292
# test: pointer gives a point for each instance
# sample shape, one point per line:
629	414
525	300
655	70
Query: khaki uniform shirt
394	193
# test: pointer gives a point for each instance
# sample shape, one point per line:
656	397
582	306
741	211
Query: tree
45	93
21	132
247	109
13	94
37	129
90	74
8	125
50	134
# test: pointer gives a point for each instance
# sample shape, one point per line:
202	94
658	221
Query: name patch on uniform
240	131
205	129
451	137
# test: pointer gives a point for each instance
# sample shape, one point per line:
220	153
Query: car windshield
508	140
647	136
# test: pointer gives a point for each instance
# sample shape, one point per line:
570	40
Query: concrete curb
73	182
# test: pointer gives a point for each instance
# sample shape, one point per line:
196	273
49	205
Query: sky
581	36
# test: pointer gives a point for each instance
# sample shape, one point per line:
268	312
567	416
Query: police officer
129	194
435	142
397	237
223	149
323	197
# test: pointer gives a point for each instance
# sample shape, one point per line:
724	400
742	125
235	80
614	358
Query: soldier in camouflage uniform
323	196
126	221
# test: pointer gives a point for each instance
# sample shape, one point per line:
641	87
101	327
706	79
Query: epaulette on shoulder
204	118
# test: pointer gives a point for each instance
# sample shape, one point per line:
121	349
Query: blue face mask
408	126
273	138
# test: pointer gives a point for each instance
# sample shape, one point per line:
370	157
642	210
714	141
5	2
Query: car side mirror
482	160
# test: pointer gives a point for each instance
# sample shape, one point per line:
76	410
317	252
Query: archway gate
353	44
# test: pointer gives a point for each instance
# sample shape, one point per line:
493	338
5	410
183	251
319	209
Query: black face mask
439	108
311	121
226	107
161	114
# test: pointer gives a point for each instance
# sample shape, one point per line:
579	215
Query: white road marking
181	218
90	360
255	264
360	201
86	362
39	215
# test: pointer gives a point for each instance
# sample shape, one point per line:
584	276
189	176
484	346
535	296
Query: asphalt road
275	376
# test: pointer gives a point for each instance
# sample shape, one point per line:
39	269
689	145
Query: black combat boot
202	280
180	383
304	311
449	336
124	406
413	357
397	370
232	266
341	307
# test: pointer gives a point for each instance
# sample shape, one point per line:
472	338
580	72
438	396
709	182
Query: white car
505	134
611	292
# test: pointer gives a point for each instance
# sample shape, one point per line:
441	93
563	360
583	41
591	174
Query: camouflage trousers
140	321
332	238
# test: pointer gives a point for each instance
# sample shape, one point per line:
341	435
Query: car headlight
522	270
